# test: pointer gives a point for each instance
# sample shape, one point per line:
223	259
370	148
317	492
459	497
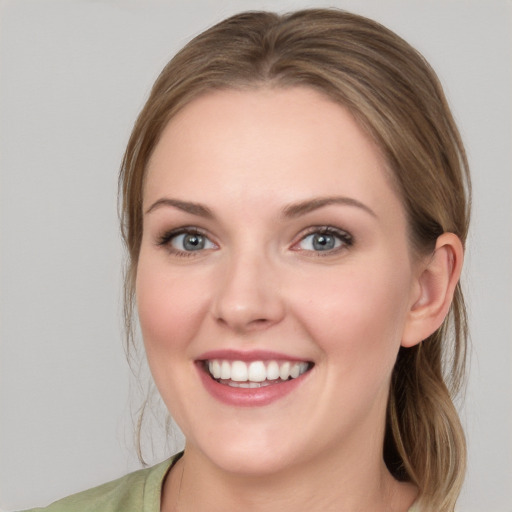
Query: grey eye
320	242
191	242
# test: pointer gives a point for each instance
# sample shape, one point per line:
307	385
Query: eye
326	239
186	241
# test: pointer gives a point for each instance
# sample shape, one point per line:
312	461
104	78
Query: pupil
323	242
193	242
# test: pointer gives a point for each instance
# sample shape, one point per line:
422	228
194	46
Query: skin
247	156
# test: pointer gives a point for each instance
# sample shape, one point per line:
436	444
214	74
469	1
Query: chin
252	463
249	455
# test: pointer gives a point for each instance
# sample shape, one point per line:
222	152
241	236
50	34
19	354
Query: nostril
244	324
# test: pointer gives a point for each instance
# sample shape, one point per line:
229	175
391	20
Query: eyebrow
291	211
297	209
186	206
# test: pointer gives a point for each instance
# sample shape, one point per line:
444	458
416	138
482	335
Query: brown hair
396	97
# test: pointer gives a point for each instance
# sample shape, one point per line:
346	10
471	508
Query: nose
248	296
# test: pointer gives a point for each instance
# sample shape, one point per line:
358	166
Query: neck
328	482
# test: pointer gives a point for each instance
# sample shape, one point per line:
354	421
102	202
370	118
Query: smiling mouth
254	374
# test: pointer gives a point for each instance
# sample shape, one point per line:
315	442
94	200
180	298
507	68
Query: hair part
398	100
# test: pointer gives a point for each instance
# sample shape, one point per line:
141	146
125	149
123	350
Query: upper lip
247	356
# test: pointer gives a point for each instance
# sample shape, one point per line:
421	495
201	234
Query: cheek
168	306
358	315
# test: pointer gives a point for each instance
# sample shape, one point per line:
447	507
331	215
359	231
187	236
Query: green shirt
137	492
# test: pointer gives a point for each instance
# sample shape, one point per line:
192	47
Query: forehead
266	142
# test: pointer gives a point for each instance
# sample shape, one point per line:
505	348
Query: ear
434	290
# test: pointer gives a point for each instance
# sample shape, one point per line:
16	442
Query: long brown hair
396	97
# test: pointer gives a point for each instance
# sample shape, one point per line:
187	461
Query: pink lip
247	397
253	355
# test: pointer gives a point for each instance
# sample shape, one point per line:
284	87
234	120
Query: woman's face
275	257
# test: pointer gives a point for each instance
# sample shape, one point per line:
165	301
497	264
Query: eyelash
345	239
166	239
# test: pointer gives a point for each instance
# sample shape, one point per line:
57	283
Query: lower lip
248	397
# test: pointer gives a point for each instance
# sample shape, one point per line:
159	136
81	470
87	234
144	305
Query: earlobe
434	291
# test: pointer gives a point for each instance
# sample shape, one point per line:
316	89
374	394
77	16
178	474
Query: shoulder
138	491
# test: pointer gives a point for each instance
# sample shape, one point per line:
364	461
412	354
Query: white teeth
225	370
257	371
272	371
239	371
214	367
247	384
253	374
295	371
284	371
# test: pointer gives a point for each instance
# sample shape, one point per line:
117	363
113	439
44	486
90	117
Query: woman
295	207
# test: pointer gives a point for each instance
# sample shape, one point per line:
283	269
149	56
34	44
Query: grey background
73	75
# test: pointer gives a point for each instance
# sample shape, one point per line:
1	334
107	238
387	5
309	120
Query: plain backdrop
73	75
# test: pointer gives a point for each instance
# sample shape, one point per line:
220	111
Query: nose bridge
248	295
